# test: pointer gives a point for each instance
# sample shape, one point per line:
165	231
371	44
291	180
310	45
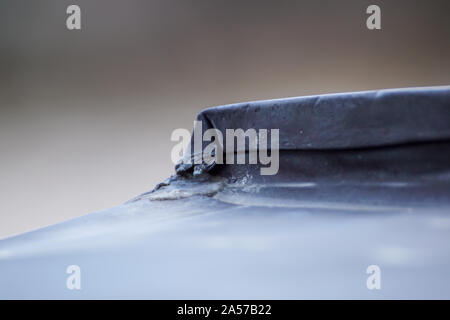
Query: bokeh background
86	116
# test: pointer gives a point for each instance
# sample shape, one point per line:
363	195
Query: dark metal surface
340	121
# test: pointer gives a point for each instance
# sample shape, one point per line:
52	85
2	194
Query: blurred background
86	115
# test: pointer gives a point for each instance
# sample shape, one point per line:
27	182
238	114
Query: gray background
86	116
